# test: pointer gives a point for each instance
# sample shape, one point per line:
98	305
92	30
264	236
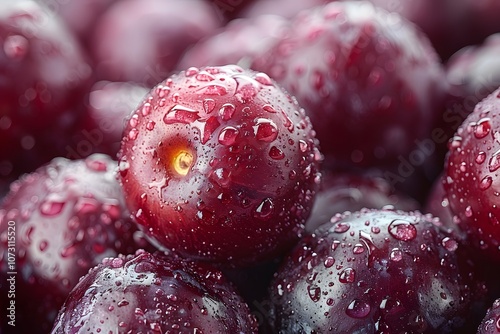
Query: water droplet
483	127
402	230
455	142
122	303
51	207
213	90
181	114
204	76
192	71
341	227
228	135
150	126
481	156
468	211
396	255
329	261
265	209
450	244
375	229
303	146
134	120
263	79
133	133
269	108
358	249
86	205
208	105
265	130
485	182
227	111
146	109
314	292
493	219
348	275
221	176
43	245
276	154
162	91
358	309
494	162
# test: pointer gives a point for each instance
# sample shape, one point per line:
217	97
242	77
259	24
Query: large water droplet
494	162
329	261
485	182
51	207
450	244
276	154
396	255
314	292
215	90
265	130
133	133
358	309
263	79
228	135
208	105
227	111
348	275
192	71
204	76
341	227
402	230
181	114
481	156
468	211
265	209
146	109
483	127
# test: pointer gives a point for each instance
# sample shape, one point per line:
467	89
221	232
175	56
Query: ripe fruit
350	192
375	86
491	321
142	40
237	43
148	293
220	164
67	216
44	76
472	181
375	271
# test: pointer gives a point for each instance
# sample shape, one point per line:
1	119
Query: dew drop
228	135
134	120
348	275
43	245
276	154
146	109
265	209
341	227
181	114
483	127
481	156
494	162
468	211
396	255
123	303
133	133
263	79
358	309
51	208
402	230
208	105
314	292
86	205
329	261
227	111
269	108
358	249
450	244
265	130
162	91
150	126
215	90
485	182
204	76
493	218
192	71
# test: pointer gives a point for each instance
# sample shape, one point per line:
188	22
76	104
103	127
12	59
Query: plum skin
220	164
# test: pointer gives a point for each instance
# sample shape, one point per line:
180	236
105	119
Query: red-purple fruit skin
145	293
375	87
284	8
68	216
491	321
375	271
44	76
109	105
472	181
236	43
220	164
350	192
142	40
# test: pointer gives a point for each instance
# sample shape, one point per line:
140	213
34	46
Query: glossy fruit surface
145	293
44	76
142	40
472	181
56	223
219	163
351	192
374	89
374	271
491	321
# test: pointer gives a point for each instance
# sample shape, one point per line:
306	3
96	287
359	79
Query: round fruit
58	222
220	164
374	271
374	89
472	179
148	293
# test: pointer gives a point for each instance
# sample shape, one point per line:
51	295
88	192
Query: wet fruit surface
375	88
374	271
61	220
472	175
491	322
43	77
219	163
152	294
